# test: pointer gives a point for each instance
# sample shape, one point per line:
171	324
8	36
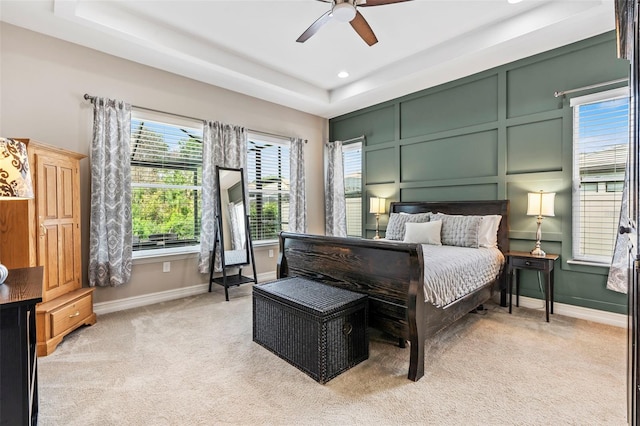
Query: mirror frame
219	221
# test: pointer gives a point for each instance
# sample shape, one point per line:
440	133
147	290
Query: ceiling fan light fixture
344	12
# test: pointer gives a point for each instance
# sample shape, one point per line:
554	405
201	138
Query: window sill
180	253
588	263
265	243
175	253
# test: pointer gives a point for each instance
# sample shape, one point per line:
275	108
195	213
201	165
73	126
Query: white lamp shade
377	205
15	176
541	204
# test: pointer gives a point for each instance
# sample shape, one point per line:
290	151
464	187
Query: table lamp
541	204
377	206
15	178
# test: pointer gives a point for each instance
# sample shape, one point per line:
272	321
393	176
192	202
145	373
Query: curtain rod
593	86
93	98
350	140
269	134
354	139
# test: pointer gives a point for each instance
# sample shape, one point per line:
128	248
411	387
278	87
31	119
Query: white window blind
352	161
166	180
601	146
268	175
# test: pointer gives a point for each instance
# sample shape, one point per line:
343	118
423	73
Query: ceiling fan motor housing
344	11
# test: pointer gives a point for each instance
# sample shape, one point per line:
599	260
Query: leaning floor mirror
232	235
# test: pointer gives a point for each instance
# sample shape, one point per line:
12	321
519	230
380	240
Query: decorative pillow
395	227
488	231
461	231
423	232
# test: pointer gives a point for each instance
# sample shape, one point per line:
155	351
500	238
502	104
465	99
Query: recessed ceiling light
514	1
343	74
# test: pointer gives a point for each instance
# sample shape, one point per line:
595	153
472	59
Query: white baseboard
162	296
595	315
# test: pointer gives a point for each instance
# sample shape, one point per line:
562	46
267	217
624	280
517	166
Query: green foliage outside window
163	211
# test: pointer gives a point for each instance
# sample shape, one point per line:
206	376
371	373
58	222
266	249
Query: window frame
141	114
575	103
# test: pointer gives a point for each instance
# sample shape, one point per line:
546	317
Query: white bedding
452	272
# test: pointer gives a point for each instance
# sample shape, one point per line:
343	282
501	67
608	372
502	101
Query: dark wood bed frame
391	274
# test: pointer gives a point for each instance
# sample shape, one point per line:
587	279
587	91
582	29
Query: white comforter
453	272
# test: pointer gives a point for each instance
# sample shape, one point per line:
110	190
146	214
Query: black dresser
18	361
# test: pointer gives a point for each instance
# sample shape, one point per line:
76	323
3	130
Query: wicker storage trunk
320	329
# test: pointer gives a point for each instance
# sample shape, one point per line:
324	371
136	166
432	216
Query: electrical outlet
166	266
271	253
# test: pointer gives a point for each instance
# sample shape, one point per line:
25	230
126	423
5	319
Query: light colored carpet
193	362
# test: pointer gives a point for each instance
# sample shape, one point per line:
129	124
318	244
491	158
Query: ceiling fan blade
314	27
379	2
363	29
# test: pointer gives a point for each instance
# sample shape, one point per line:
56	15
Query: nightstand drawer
528	263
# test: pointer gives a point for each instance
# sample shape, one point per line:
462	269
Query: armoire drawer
71	314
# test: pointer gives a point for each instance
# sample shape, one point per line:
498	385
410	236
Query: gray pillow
457	230
395	227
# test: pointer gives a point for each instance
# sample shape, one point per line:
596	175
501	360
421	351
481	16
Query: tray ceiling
250	46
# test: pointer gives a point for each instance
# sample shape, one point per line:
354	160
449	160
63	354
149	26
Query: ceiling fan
346	11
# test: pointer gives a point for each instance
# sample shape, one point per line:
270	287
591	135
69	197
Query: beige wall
42	83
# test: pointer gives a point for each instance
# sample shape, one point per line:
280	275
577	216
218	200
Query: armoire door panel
48	194
48	257
67	254
65	193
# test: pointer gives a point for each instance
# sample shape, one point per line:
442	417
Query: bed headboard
500	207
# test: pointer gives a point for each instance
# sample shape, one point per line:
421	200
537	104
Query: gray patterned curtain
297	191
624	15
335	205
618	279
111	228
223	145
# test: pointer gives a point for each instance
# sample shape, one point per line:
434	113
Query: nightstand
518	260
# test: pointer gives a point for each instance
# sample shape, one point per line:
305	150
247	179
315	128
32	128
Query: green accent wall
497	134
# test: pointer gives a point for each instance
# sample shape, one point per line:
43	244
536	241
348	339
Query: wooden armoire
46	231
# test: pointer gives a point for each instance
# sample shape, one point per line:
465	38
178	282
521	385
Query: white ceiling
250	47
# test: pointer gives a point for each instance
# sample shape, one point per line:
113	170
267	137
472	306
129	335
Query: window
601	145
352	161
268	182
166	180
